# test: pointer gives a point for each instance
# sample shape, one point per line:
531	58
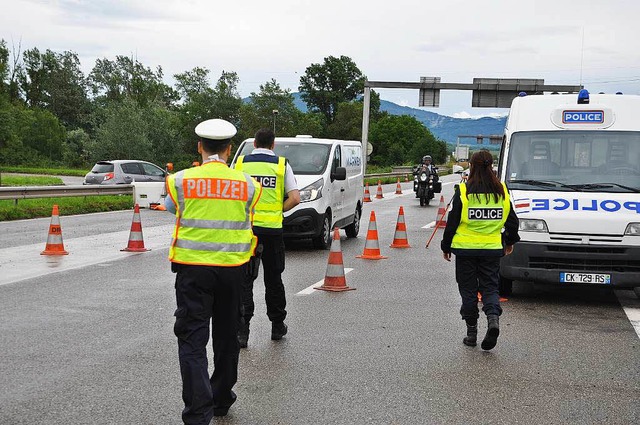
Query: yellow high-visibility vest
269	171
481	220
214	214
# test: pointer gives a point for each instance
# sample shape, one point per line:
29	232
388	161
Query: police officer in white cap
212	244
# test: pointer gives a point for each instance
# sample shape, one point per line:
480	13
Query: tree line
51	114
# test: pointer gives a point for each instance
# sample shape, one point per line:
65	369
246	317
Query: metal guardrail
31	192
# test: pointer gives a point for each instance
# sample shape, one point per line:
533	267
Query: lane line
631	306
311	289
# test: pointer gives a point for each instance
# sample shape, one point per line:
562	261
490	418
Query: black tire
505	287
426	202
422	203
353	229
636	291
323	241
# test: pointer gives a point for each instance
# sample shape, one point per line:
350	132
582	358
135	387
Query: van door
337	187
352	161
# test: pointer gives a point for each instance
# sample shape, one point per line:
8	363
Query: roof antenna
581	56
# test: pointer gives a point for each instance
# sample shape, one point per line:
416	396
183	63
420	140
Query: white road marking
631	306
311	289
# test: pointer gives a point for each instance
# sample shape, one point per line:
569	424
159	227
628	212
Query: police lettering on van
525	205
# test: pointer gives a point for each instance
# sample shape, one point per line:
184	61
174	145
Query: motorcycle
425	185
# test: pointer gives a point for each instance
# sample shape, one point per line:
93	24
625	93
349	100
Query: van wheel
324	240
505	287
353	229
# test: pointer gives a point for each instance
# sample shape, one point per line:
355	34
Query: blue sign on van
582	117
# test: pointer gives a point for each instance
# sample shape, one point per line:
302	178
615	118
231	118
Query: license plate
597	278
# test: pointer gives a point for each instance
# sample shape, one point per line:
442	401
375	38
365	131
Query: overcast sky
399	40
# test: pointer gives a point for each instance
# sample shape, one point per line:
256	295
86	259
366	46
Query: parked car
124	172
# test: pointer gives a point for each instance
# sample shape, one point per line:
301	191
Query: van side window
337	159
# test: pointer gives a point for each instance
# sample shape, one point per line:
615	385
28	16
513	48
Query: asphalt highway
88	338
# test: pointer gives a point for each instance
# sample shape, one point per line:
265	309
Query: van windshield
600	161
304	158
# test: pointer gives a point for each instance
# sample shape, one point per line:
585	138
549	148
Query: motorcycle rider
427	163
431	171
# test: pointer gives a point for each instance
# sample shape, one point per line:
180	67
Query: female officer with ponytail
481	228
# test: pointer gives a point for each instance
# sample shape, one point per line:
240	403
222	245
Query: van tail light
108	176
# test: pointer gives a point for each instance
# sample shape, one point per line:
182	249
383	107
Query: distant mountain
443	127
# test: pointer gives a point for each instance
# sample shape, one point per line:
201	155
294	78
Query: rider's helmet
426	158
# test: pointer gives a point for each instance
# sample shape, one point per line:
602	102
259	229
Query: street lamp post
275	113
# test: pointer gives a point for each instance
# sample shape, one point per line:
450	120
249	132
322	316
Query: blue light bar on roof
583	96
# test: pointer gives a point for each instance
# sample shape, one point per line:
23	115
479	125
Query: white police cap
216	129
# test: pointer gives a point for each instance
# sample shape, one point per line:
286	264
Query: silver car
124	172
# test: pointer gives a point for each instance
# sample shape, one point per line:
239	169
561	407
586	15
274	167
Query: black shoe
278	330
220	411
493	330
243	335
472	336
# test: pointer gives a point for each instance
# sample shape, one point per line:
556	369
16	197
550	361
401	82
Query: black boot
243	335
278	330
472	333
493	330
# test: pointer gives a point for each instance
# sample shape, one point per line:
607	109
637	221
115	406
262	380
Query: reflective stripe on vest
481	220
213	215
270	175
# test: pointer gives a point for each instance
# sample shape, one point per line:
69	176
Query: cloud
467	115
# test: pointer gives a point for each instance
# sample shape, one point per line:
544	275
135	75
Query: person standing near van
279	194
474	233
212	244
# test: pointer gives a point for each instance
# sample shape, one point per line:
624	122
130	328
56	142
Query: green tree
347	124
128	78
76	148
55	82
326	85
10	70
403	139
258	112
199	102
123	134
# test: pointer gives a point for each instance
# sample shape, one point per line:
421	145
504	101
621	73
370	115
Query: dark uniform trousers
478	274
273	263
207	294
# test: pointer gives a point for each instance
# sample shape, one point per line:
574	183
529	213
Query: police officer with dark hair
474	233
212	244
279	194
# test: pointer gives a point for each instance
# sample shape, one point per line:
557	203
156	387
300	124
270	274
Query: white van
331	182
572	166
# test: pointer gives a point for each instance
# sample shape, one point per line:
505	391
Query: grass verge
34	208
50	171
31	181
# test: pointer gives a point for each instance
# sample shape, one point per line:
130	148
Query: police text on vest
485	213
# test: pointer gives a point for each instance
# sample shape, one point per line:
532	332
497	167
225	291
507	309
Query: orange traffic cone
54	246
398	187
371	245
367	195
334	279
136	241
441	217
400	237
379	192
